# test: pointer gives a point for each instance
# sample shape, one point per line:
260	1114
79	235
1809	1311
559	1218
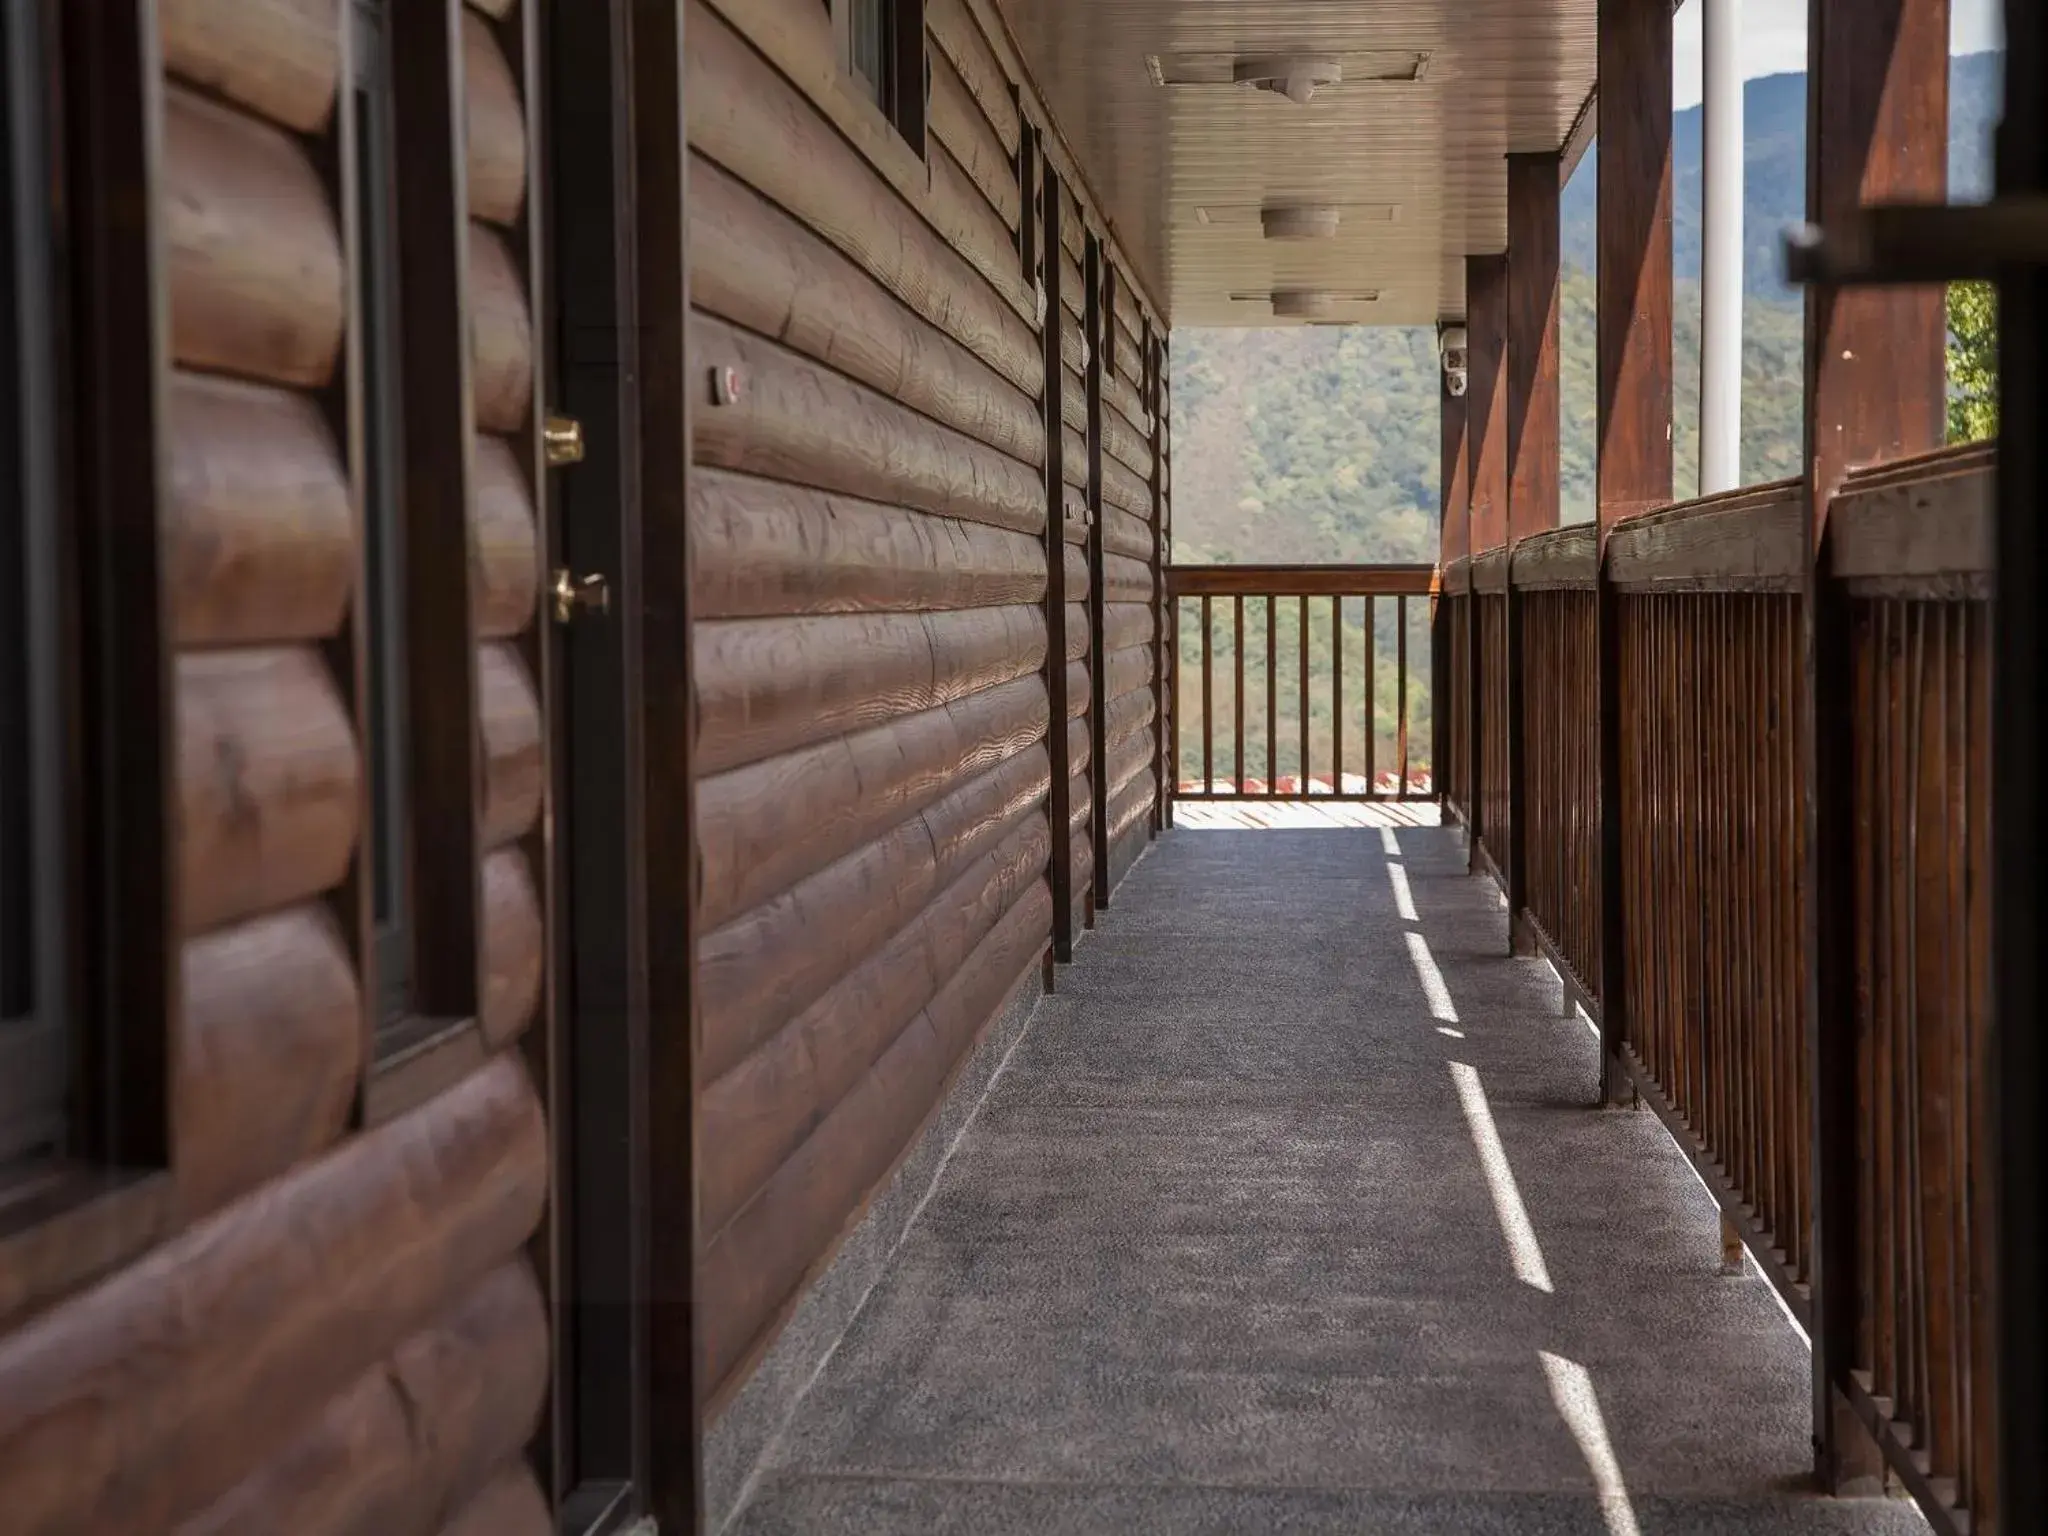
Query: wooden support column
1877	131
2019	703
1059	798
1097	327
1454	526
1454	538
1633	283
1633	402
1535	183
1154	364
1486	330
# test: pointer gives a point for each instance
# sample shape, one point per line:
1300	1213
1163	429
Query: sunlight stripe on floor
1404	898
1432	979
1523	1250
1571	1388
1390	843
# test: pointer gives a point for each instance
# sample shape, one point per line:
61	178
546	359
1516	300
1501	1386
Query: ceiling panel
1415	167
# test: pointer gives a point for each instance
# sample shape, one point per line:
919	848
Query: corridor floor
1288	1215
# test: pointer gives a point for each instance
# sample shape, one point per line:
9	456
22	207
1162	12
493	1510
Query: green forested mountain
1321	443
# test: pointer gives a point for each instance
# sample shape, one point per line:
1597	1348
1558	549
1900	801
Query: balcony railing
1801	949
1324	670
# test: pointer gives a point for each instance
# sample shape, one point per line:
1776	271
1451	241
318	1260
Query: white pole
1721	252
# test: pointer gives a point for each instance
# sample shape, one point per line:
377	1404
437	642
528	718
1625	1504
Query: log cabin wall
870	515
323	1316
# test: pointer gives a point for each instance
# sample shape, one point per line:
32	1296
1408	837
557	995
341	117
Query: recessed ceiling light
1295	76
1300	221
1308	303
1258	65
1244	216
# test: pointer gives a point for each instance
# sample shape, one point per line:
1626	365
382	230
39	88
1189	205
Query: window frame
901	98
81	87
395	1024
38	1022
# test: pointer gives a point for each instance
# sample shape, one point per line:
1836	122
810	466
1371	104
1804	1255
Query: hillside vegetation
1320	444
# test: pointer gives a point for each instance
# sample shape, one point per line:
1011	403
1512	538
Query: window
383	531
881	48
35	1037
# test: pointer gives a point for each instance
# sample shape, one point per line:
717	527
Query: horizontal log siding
870	643
336	1331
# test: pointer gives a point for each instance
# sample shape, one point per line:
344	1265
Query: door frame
596	1445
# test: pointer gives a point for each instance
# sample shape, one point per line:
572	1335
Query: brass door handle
562	440
575	595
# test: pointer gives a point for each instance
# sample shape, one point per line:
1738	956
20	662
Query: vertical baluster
1401	689
1301	618
1372	725
1272	697
1237	774
1982	1145
1208	704
1883	1365
1869	812
1337	696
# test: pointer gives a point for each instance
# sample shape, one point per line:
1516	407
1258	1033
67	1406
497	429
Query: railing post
1877	113
1535	185
1633	424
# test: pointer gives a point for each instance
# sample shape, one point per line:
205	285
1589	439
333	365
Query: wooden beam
1060	866
1534	186
1097	322
1535	183
1486	327
1877	131
1454	520
1634	249
661	440
2020	1079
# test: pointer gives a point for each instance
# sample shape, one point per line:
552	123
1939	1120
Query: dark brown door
598	1041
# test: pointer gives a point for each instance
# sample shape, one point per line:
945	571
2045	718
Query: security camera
1451	343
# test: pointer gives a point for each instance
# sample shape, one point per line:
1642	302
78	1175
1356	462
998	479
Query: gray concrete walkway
1288	1215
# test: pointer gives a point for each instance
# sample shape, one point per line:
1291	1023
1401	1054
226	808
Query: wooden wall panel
337	1329
869	642
872	604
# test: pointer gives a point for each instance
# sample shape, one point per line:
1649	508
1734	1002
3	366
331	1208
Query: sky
1774	39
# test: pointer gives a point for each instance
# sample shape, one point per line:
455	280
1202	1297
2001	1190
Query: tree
1972	362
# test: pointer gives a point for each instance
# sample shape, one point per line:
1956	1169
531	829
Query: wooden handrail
1318	596
1299	580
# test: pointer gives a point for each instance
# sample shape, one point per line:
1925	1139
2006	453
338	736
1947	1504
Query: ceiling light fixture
1295	76
1300	221
1308	303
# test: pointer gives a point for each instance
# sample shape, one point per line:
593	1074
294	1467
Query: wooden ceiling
1415	167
